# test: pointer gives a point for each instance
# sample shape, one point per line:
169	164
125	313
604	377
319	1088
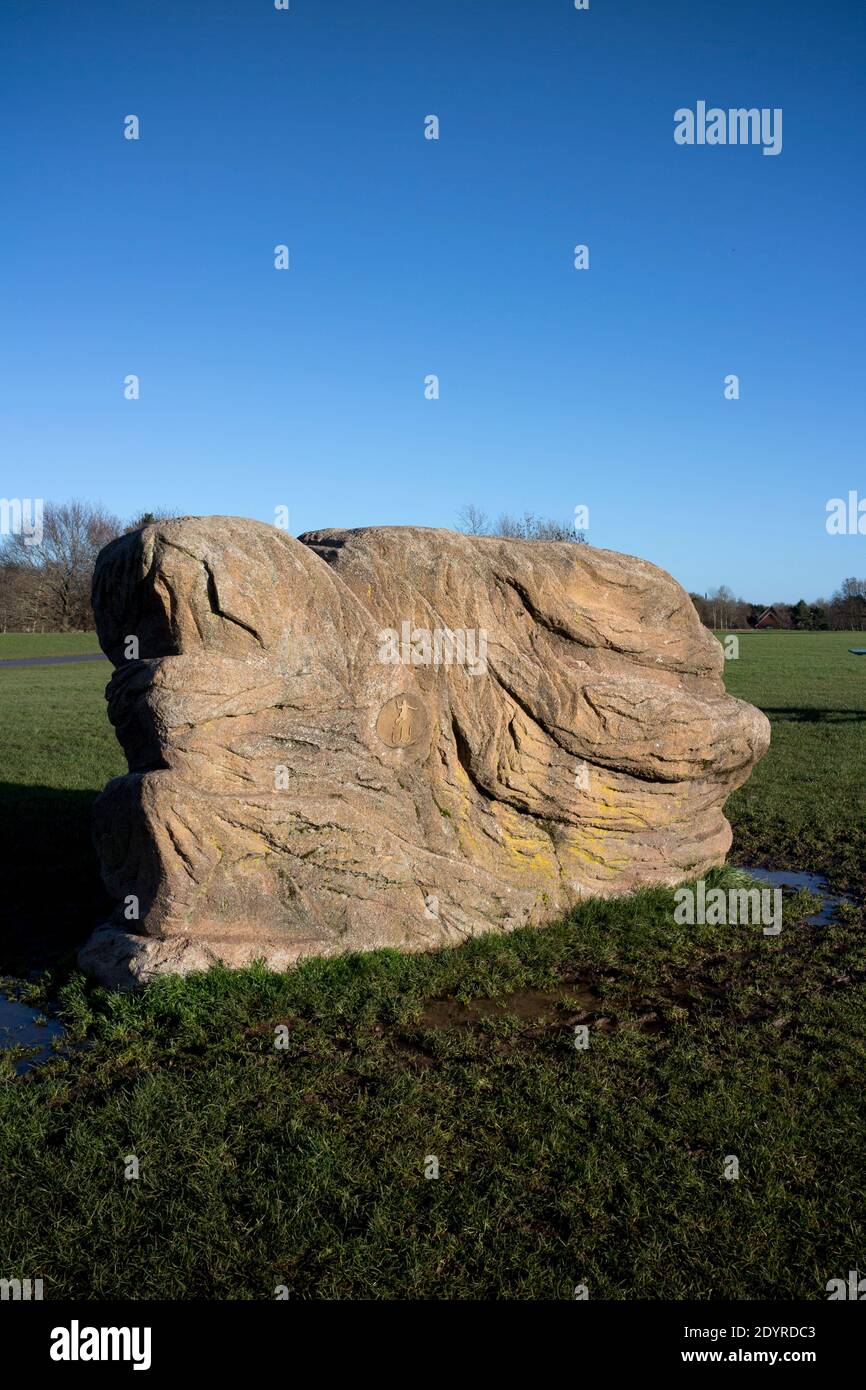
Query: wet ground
792	882
535	1008
20	1027
579	1001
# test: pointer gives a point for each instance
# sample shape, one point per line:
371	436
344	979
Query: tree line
845	611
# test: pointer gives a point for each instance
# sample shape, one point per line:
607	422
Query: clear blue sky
408	257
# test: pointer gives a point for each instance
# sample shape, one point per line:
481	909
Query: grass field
558	1165
17	644
804	806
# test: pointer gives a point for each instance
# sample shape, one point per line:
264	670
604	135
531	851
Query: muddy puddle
537	1007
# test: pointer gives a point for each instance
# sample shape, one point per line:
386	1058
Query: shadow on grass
52	892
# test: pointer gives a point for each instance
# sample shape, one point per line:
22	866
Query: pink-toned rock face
395	737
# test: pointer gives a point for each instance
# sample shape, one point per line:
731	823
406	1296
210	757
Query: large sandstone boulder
394	737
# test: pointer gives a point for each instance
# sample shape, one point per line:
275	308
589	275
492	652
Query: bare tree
849	605
61	564
473	521
529	527
19	610
722	603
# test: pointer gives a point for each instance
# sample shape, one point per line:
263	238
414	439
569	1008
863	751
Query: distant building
769	618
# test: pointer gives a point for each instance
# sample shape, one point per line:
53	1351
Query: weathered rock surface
302	783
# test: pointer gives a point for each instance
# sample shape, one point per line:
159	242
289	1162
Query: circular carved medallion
402	722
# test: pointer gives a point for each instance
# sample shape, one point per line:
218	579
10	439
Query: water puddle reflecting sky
19	1028
795	882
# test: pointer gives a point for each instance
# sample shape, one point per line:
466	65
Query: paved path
52	660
